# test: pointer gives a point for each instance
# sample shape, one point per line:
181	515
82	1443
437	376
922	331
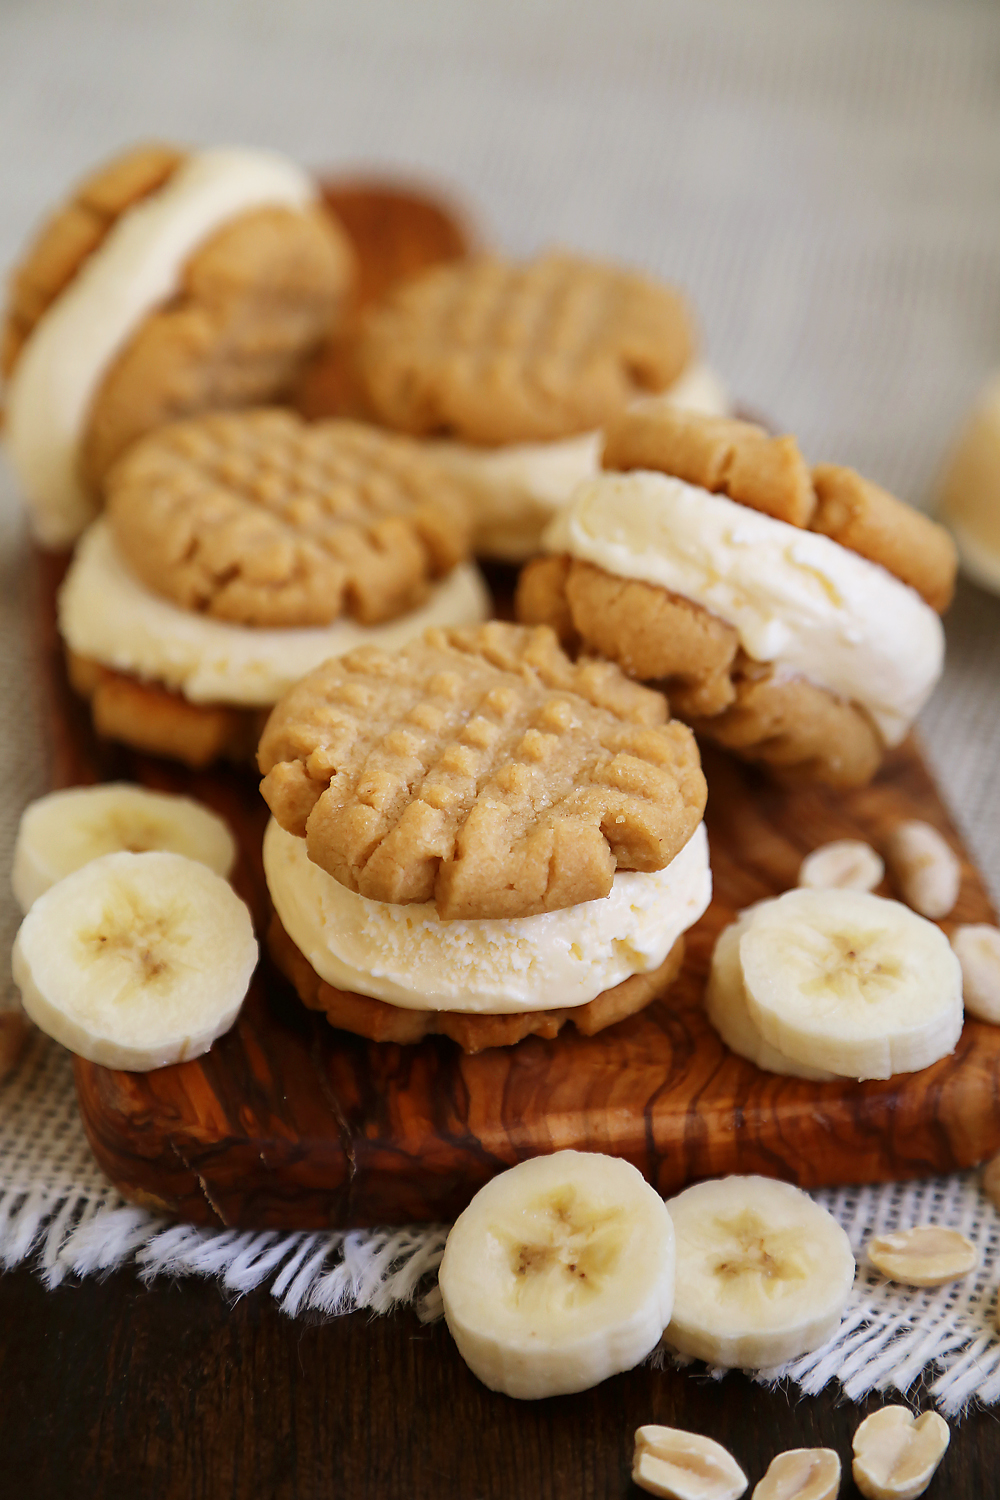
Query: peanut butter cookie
769	474
494	352
791	653
173	282
262	519
479	768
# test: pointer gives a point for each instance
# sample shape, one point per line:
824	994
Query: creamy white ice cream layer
517	488
795	598
107	614
407	956
135	269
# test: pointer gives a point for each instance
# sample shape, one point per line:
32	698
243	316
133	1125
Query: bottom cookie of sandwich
150	717
382	1022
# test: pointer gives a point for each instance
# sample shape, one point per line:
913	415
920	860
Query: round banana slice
137	960
763	1273
726	1008
852	983
66	830
558	1274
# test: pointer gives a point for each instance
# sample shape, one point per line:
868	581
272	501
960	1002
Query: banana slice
558	1274
852	983
137	960
726	1008
763	1273
65	830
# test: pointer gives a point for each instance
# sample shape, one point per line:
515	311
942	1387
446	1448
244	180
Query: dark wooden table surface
171	1392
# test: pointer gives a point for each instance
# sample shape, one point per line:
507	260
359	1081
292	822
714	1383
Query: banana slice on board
763	1273
137	960
558	1274
66	830
726	1008
852	983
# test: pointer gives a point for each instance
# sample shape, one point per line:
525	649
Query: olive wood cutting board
288	1123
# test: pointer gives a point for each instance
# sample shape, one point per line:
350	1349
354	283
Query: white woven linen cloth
825	180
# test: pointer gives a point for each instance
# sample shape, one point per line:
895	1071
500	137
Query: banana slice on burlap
136	960
763	1273
851	983
558	1274
726	1008
66	830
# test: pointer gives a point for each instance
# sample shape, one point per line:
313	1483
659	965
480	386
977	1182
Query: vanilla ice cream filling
408	957
796	598
518	487
106	613
136	268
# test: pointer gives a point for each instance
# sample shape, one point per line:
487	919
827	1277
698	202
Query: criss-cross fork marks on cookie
261	519
495	352
482	770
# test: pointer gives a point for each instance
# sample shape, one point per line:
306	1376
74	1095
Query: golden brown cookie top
741	461
74	231
260	518
495	352
480	769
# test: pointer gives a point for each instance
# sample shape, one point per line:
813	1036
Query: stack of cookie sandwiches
791	614
475	836
511	369
239	550
172	282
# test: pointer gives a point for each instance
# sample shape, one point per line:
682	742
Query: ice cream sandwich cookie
475	836
512	368
790	613
172	283
237	552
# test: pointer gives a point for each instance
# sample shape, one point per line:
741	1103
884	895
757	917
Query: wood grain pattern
287	1122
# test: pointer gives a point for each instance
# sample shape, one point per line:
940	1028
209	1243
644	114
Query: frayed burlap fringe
59	1213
